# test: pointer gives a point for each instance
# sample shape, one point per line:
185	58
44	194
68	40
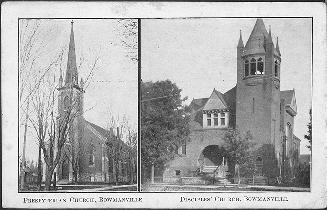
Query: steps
209	169
259	180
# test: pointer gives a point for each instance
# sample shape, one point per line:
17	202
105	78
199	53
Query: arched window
91	155
253	66
246	68
260	66
66	103
276	68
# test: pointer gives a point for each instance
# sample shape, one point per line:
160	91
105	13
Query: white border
9	16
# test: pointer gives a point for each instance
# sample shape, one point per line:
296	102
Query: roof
255	43
230	98
296	138
103	132
215	101
259	36
287	95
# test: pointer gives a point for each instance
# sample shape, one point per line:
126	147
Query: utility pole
22	179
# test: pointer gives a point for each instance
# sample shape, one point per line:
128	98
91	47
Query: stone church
91	153
255	104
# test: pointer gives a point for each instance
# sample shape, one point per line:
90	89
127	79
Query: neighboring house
101	155
255	104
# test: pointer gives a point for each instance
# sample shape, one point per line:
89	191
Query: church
90	153
256	105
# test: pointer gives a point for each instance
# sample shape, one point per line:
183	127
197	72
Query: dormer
215	111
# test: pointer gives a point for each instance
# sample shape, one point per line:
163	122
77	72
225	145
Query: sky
113	88
200	55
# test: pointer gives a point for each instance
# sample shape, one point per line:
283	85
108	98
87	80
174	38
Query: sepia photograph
226	104
74	135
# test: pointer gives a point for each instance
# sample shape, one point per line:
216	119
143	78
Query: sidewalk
230	188
95	188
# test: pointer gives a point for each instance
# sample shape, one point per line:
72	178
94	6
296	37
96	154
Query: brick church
256	104
91	153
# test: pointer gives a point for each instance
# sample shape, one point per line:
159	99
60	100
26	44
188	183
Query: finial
240	41
270	29
72	22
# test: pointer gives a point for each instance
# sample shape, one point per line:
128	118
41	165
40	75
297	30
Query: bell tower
71	92
258	94
70	103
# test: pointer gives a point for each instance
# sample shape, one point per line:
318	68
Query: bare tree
127	30
33	39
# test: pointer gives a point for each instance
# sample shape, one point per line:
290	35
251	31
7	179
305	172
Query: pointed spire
240	41
71	72
269	38
255	43
277	46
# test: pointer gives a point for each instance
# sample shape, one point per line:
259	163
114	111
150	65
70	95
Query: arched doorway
212	155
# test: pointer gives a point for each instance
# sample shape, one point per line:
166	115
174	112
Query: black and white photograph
74	133
163	105
226	104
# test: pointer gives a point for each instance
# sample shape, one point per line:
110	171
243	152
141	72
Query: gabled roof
215	101
287	95
290	101
198	103
103	134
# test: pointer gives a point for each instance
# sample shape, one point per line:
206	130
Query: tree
33	67
127	31
239	151
309	135
164	120
126	133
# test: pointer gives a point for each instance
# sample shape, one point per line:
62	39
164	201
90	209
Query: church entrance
212	155
213	159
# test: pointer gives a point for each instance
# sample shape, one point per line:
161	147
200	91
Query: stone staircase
209	169
259	180
219	177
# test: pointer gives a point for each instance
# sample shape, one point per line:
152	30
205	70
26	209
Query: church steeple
71	72
240	41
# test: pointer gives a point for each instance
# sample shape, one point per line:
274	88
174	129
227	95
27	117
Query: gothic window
91	155
246	68
253	66
66	103
276	68
222	119
184	149
260	66
208	119
215	119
